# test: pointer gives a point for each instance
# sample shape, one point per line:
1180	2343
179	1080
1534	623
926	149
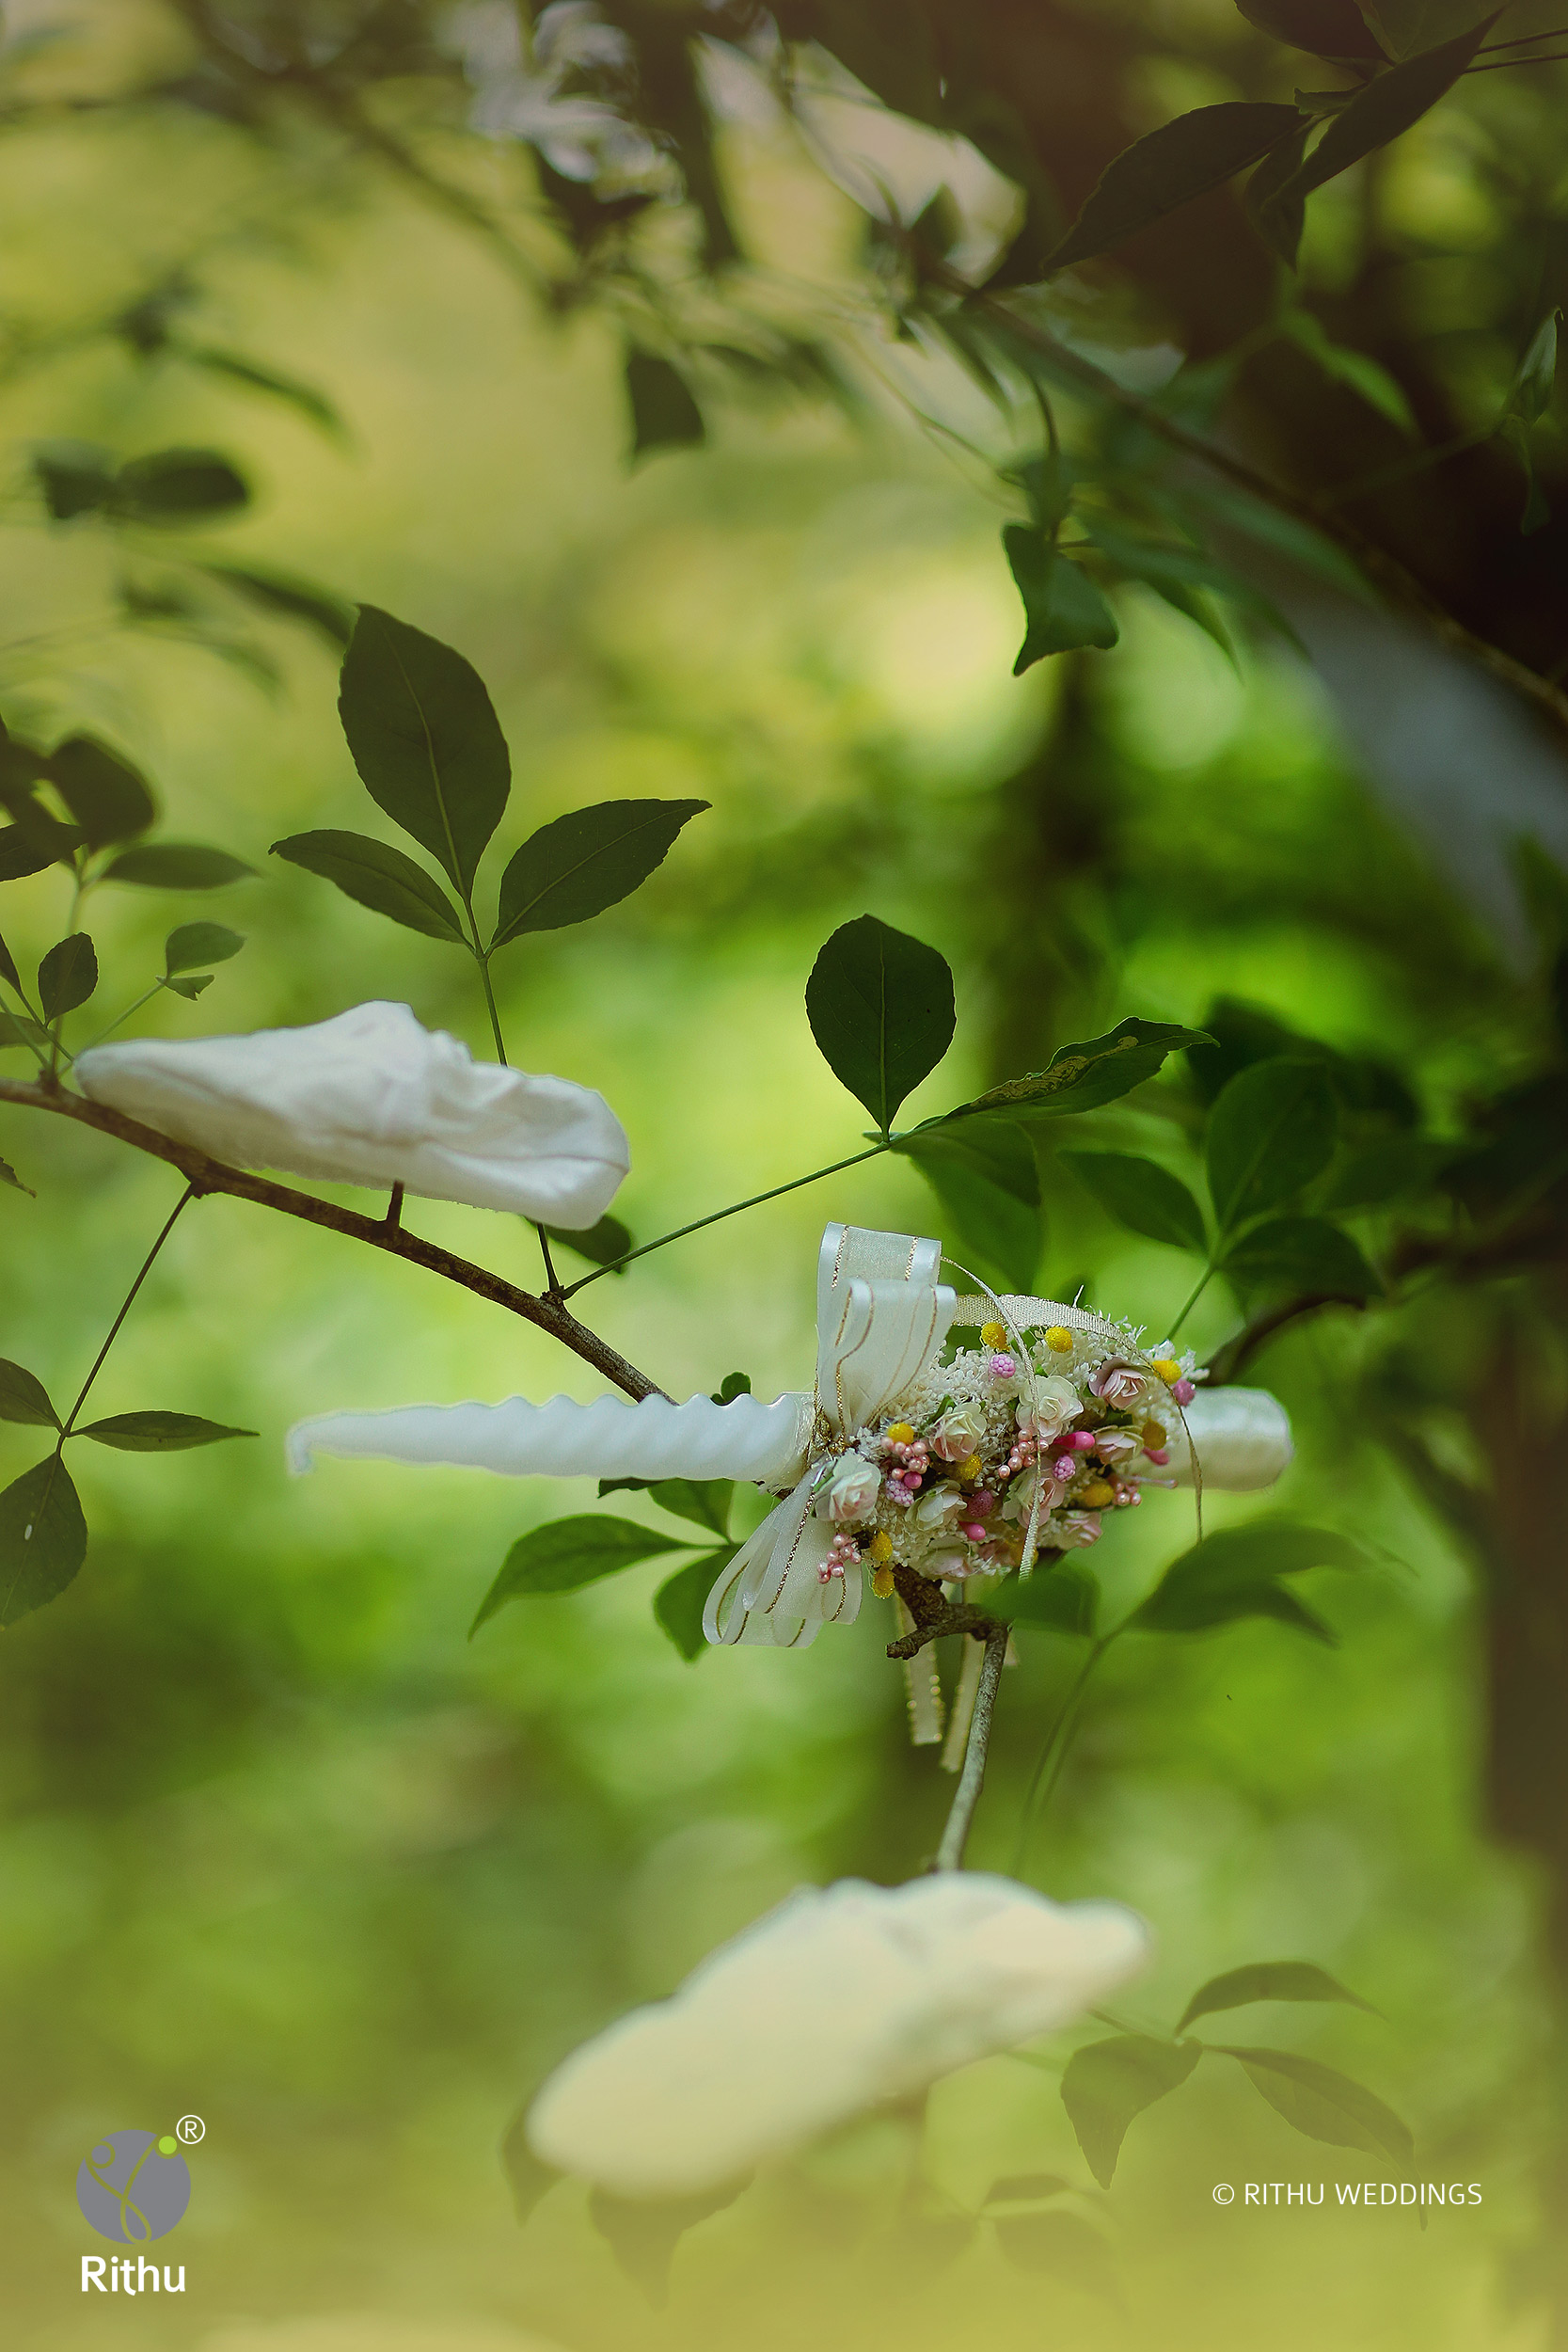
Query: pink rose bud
1158	1454
1183	1391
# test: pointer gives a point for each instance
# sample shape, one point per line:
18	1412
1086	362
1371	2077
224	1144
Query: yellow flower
970	1469
994	1334
1168	1370
880	1546
1097	1495
901	1433
881	1580
1060	1340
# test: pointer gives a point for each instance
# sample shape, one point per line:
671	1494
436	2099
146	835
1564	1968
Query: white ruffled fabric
610	1439
373	1098
844	1998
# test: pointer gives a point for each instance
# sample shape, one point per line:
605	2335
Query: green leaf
1537	513
16	1030
74	477
35	842
1177	572
1369	1175
378	877
569	1553
1169	168
574	868
880	1008
1334	29
1236	1574
988	1182
1271	1130
104	794
1268	1980
1301	1257
680	1600
66	976
1107	2082
1083	1077
663	413
1059	2246
1530	395
1015	2186
177	485
7	968
600	1244
643	2231
706	1500
1407	27
1278	211
256	378
9	1176
1379	112
159	1432
425	739
190	986
200	943
43	1538
1282	535
24	1398
288	599
177	866
1141	1195
1356	369
734	1384
1324	2103
1060	1598
1063	610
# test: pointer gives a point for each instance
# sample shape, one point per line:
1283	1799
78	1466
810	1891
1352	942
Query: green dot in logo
168	2147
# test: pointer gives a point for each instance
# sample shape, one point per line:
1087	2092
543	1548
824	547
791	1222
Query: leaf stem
1208	1273
186	1198
950	1854
122	1017
719	1215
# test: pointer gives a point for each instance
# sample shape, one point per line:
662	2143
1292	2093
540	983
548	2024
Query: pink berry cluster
912	1466
844	1554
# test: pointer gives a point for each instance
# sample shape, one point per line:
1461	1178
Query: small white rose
959	1433
937	1508
852	1492
1053	1405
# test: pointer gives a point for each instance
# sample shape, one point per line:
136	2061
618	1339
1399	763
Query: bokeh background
280	1846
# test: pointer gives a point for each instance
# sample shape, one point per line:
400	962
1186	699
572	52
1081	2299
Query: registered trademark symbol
190	2129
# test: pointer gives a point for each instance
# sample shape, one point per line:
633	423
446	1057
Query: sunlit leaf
1324	2103
66	976
574	868
104	794
1141	1195
43	1538
1107	2082
1085	1076
177	866
24	1397
567	1554
425	739
159	1432
1063	610
1169	168
1268	1980
880	1008
378	877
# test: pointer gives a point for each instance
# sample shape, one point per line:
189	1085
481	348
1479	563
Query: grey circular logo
133	2187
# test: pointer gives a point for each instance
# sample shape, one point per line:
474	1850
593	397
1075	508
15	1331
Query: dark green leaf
734	1384
378	877
1278	209
159	1432
988	1180
574	868
24	1398
256	378
1236	1574
1169	168
880	1008
643	2231
43	1538
1047	484
1537	513
1082	1077
288	599
9	1176
200	943
1176	572
1268	1980
1063	610
1407	27
663	413
177	485
35	842
1060	1597
191	986
1325	28
1141	1195
600	1244
1107	2082
1299	1257
103	792
1017	2186
1370	1174
1379	111
1269	526
16	1030
75	478
1271	1130
7	968
569	1553
1324	2103
679	1602
1359	372
425	739
1530	395
706	1500
177	866
66	976
1059	2246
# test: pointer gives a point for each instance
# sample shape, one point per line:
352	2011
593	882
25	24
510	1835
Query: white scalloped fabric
611	1438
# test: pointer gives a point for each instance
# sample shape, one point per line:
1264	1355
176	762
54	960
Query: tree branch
1226	1360
208	1175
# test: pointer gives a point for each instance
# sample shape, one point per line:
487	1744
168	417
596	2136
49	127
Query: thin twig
126	1305
210	1175
950	1854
